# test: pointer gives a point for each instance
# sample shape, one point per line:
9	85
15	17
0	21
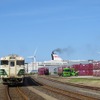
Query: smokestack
52	55
53	52
55	56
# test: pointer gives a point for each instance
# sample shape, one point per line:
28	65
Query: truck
67	72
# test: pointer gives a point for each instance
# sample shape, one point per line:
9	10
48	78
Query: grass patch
83	80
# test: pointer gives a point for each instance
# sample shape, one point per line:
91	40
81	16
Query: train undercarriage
12	80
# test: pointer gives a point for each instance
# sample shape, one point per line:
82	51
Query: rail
76	95
19	91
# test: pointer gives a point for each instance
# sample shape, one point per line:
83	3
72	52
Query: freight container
82	73
85	72
76	67
90	66
95	66
96	72
89	72
43	71
82	67
60	70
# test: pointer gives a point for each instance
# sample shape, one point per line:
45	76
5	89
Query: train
12	69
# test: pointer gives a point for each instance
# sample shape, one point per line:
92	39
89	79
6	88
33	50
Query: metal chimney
52	55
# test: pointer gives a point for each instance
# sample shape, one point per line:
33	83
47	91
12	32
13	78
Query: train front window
20	62
4	62
12	64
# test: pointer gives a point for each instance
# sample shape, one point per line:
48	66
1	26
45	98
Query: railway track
19	92
14	93
53	90
73	84
74	92
49	90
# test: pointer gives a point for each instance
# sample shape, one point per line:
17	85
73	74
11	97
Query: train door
12	71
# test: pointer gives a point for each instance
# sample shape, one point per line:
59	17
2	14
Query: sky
38	27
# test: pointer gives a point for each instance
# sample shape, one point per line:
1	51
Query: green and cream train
12	69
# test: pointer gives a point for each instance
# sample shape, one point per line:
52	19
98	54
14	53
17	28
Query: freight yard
69	80
58	66
47	87
49	50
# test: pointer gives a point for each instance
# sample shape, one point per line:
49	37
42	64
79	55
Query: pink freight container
89	72
60	70
85	72
82	67
82	73
43	71
88	66
96	72
96	65
99	65
76	67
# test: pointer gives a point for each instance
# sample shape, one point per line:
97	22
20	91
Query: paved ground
45	96
85	80
94	77
0	80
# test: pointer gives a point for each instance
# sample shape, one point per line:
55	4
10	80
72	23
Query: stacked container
96	68
84	69
76	67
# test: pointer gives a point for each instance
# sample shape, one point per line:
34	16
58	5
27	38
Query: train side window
12	64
